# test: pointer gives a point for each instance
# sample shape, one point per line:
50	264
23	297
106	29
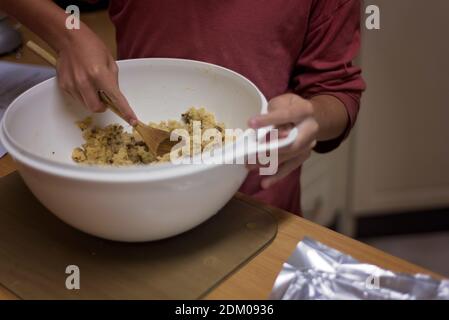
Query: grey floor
429	250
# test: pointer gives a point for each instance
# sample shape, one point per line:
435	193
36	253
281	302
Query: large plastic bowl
138	203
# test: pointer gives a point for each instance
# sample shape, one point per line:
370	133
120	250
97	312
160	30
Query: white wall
401	147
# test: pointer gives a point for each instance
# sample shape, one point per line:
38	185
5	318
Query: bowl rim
161	171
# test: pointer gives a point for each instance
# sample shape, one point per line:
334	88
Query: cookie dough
112	145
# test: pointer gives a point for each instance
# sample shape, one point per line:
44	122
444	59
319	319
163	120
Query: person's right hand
85	66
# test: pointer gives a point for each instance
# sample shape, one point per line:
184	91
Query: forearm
331	116
45	19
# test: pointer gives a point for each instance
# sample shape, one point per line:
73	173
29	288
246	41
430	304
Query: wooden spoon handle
44	54
41	52
108	102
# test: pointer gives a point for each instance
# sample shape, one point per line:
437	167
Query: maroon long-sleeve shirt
304	46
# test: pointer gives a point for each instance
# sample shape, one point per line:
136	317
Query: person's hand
284	112
85	66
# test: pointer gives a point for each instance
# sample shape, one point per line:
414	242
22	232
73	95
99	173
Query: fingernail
133	122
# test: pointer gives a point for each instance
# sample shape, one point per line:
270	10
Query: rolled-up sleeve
325	65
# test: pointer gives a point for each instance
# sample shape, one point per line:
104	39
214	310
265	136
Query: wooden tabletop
255	279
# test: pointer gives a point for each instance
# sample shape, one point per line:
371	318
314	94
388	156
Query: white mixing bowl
130	203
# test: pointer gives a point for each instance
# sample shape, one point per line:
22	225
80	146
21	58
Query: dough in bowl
112	145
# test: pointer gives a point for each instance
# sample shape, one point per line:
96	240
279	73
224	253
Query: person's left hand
284	112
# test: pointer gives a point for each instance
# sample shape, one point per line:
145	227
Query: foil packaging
316	271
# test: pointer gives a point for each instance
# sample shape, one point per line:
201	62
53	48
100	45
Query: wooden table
255	279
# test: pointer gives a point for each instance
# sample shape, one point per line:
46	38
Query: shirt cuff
351	103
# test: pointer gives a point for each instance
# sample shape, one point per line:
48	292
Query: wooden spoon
157	140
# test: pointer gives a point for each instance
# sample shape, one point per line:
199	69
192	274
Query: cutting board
36	249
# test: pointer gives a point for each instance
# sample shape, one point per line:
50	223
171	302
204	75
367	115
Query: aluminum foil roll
316	271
